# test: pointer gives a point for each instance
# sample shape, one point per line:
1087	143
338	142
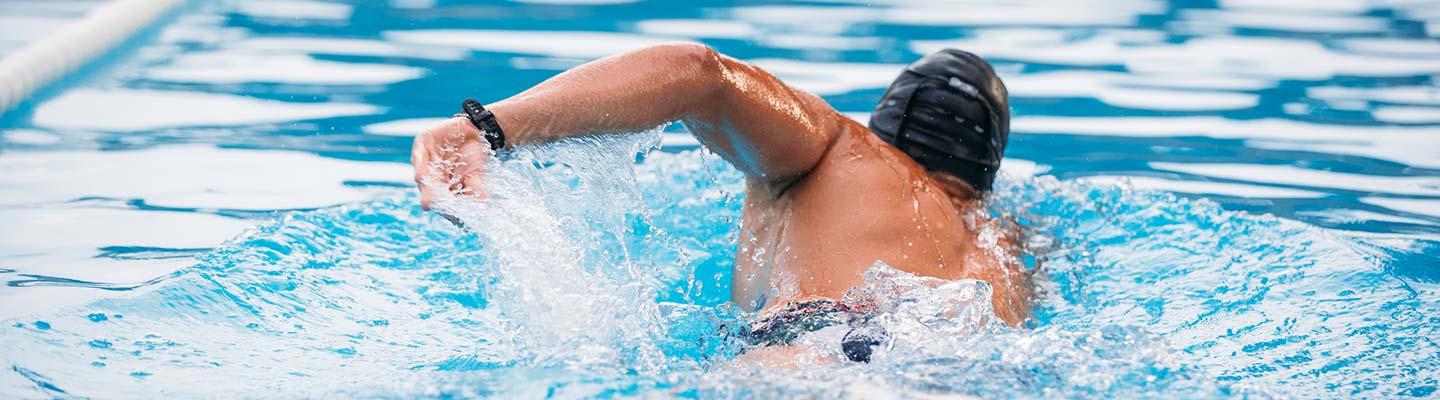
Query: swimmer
825	198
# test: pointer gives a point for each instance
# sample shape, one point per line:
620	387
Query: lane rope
43	61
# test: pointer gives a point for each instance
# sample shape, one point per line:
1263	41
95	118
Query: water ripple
42	280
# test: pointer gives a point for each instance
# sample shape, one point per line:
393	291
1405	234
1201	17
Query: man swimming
826	197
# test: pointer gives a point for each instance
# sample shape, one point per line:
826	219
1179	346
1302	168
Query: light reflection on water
1323	113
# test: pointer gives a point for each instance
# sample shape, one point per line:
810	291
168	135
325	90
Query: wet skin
825	197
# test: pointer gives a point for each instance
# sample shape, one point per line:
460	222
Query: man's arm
766	129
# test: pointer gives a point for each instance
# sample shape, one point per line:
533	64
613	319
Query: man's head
950	112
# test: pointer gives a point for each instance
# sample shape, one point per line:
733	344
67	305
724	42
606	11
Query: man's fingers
471	179
472	174
475	184
420	160
426	198
419	152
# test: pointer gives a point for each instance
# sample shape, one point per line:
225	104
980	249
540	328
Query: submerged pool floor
1227	200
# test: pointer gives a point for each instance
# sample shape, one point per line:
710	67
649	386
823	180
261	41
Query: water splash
597	277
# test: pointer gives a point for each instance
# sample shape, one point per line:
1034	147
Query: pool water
1226	199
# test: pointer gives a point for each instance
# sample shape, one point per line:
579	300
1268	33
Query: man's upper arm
765	128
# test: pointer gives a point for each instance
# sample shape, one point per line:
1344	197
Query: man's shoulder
859	162
861	153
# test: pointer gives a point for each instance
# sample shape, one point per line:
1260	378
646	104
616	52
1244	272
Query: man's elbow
691	53
701	64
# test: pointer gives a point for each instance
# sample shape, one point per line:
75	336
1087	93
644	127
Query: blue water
1225	201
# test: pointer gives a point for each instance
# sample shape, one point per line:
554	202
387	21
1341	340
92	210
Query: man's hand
450	159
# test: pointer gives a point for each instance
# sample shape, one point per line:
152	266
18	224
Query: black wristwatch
484	120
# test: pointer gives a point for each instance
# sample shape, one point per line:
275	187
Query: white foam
698	28
1414	95
1293	108
1393	46
1292	175
951	13
401	127
1269	58
1280	20
1301	6
1408	145
1110	87
191	176
576	2
546	63
1176	100
1210	82
678	140
85	230
349	47
809	42
1021	168
1428	207
412	4
831	78
1413	150
202	29
1146	52
1407	115
40	8
863	117
20	29
1232	57
247	67
294	9
1049	46
833	18
1051	14
1203	187
137	110
563	44
29	137
1347	216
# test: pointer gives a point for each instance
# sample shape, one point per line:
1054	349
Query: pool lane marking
51	57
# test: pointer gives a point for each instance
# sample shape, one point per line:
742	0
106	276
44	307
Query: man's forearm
629	92
762	126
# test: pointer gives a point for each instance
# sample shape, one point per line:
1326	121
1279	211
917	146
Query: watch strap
485	121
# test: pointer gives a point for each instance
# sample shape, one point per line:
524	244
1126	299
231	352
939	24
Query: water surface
1229	198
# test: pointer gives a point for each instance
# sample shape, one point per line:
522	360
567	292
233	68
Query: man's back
864	202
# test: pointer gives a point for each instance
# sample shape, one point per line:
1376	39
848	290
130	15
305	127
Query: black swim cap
950	112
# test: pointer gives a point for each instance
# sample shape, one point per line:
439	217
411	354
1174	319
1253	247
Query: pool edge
39	63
